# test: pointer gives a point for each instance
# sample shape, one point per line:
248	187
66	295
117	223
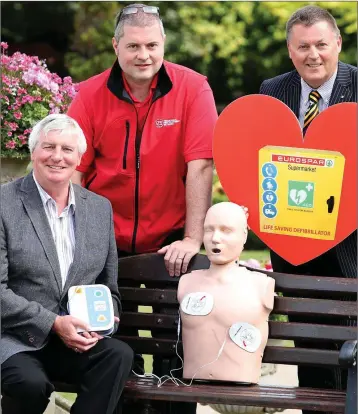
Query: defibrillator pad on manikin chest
245	336
197	303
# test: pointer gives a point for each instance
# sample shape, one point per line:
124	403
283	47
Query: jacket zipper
138	140
126	146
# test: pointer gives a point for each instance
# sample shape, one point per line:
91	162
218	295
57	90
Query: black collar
116	86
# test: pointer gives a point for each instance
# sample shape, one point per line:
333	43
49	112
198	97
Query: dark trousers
160	367
315	377
99	373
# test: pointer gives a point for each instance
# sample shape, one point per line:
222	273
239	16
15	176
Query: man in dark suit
319	81
55	235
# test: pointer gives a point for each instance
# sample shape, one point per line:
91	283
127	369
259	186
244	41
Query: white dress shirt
62	228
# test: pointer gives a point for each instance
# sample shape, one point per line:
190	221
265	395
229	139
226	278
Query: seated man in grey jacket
55	235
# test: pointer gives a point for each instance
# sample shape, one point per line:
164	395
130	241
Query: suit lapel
34	208
341	92
292	94
342	88
80	235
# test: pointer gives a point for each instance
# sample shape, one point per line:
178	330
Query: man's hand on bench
178	255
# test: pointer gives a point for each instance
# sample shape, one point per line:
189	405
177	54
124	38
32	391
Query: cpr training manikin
224	310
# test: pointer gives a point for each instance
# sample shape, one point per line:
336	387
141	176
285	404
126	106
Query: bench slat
283	305
314	285
151	267
255	395
212	393
273	354
315	307
288	330
277	330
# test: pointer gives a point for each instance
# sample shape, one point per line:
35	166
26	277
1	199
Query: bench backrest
336	311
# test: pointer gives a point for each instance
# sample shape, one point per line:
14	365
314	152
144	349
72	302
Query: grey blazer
31	288
287	88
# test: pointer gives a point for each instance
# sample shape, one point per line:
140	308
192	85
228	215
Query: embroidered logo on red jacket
160	123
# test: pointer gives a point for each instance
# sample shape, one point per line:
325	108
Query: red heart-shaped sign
256	121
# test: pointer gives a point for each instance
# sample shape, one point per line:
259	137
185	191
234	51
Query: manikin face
225	232
140	52
314	51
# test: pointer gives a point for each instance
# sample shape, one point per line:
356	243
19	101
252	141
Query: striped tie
312	110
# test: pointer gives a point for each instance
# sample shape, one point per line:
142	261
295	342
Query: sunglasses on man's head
134	9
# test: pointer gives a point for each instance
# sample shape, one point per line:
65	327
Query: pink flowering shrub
29	92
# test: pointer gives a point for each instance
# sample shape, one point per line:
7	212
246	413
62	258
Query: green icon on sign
300	194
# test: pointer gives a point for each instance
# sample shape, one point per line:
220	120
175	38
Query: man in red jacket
149	127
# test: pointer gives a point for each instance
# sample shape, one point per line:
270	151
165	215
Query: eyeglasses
134	9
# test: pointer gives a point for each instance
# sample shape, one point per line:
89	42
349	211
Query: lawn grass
148	359
69	396
261	255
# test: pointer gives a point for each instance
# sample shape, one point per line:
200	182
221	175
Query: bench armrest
348	354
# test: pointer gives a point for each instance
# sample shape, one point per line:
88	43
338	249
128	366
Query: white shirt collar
45	197
324	90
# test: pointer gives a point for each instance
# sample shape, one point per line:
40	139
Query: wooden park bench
149	269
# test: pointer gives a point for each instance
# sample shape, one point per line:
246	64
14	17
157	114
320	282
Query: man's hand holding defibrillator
66	328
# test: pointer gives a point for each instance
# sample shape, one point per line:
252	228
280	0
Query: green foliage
36	112
91	50
36	20
236	44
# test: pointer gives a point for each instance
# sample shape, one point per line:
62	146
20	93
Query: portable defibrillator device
300	191
93	305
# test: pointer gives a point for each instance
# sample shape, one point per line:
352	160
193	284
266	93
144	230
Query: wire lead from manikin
162	380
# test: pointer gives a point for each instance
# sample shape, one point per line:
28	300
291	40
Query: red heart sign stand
255	121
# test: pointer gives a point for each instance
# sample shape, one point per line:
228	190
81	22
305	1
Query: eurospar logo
293	159
160	123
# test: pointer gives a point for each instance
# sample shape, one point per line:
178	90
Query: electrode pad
246	336
93	305
197	303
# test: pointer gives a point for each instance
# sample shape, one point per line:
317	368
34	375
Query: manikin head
225	232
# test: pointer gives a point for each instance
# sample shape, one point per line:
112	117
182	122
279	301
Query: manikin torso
239	295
